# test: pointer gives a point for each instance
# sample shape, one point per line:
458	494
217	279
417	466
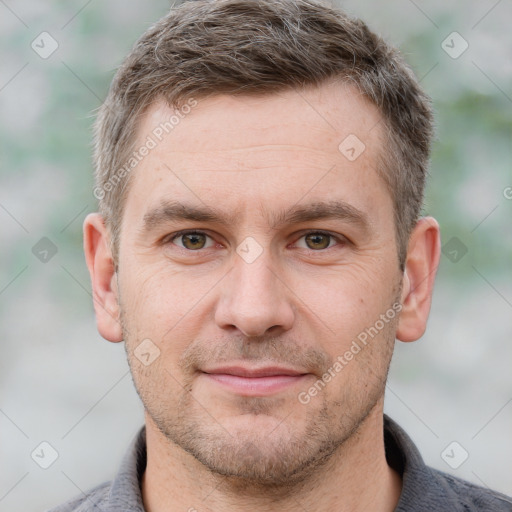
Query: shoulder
89	502
471	497
122	494
427	489
102	498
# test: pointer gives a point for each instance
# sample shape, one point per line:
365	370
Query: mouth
247	381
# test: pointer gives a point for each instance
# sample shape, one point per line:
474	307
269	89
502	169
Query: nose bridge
255	277
254	300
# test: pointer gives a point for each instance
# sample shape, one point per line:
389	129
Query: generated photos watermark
357	345
151	142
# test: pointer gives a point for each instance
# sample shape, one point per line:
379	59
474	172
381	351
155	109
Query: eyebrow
169	211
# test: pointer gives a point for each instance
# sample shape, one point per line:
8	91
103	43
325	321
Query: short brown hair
208	47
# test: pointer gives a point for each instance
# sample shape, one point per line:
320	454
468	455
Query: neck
355	478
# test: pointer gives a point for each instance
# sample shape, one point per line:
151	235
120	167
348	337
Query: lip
255	381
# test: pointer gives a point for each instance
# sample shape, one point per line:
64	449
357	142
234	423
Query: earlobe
418	281
103	277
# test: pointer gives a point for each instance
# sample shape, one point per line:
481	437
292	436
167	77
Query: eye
197	240
318	240
192	240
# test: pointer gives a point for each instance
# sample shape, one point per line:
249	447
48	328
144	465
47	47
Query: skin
299	304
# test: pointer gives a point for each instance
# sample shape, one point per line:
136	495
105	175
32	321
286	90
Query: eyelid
172	236
341	239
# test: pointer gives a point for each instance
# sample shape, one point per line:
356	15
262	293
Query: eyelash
169	239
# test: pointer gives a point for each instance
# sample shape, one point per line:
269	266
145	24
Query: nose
255	299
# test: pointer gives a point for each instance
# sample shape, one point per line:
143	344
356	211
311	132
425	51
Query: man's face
251	310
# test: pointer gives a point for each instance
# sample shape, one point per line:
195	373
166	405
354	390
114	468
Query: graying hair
209	47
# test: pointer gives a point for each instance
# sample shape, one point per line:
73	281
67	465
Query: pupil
194	240
321	241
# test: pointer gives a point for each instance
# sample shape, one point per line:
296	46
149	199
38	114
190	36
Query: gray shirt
423	489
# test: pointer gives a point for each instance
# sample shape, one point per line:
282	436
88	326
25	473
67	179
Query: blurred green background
61	383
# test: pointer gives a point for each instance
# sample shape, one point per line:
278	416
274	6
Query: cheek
162	304
150	289
348	299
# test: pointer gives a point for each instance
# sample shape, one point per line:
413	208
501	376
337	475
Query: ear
418	281
103	277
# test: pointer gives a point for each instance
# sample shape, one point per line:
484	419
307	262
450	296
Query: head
260	167
207	48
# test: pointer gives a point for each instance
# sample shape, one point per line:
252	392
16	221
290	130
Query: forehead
329	112
246	153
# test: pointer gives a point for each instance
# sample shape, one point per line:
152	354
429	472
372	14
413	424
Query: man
260	166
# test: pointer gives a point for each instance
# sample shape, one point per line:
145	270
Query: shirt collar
418	480
125	492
